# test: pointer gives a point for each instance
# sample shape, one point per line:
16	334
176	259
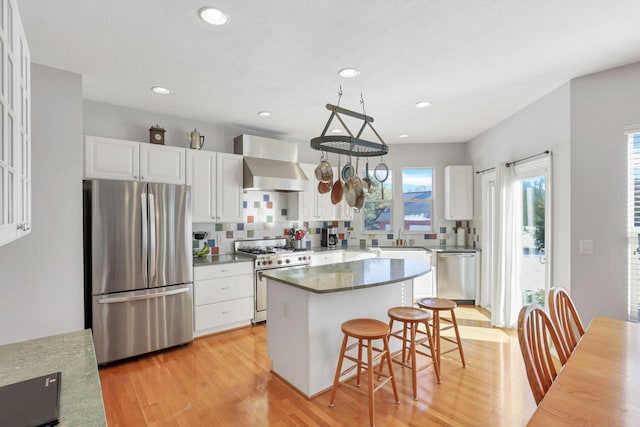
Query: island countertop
351	275
73	355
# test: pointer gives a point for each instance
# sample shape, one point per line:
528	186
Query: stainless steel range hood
270	164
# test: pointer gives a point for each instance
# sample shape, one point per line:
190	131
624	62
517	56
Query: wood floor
224	380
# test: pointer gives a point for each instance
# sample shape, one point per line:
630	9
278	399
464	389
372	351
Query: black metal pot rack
349	145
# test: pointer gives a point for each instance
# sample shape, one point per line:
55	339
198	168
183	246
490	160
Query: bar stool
411	318
365	331
436	305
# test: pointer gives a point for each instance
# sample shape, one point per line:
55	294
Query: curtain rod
486	170
508	164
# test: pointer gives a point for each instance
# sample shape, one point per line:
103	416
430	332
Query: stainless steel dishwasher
456	276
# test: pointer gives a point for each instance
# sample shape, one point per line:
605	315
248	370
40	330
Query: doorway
516	228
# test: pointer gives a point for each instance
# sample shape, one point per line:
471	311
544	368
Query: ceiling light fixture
404	135
349	72
213	16
336	130
264	114
423	104
160	90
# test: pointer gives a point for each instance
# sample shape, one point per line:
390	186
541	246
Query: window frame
431	200
392	215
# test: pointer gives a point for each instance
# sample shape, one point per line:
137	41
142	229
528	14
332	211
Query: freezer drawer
456	277
127	324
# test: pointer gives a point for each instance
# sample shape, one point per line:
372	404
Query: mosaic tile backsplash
265	217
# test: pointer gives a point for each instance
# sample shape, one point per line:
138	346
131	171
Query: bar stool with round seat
436	305
365	331
411	318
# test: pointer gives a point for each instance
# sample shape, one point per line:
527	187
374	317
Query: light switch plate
586	247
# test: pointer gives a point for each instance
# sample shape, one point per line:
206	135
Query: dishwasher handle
456	255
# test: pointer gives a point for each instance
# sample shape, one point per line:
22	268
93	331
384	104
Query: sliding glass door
516	229
534	262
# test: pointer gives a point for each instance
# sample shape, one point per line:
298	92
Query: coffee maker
329	238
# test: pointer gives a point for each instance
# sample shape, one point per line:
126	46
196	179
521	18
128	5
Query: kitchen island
306	307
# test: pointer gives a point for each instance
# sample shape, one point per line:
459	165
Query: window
377	208
417	199
633	197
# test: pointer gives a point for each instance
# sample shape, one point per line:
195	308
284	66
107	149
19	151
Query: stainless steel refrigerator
138	266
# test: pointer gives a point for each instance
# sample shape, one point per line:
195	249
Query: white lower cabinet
325	258
223	297
423	286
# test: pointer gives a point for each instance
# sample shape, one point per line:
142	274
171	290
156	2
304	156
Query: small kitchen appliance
269	254
329	238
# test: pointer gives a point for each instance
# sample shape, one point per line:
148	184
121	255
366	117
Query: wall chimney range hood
270	164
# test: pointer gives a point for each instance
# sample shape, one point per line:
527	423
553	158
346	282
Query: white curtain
506	294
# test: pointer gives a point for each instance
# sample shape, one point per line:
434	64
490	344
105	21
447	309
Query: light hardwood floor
224	380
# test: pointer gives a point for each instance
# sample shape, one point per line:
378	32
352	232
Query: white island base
303	330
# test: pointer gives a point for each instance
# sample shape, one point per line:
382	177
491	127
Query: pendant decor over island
350	145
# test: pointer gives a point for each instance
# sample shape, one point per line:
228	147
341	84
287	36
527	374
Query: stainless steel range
269	254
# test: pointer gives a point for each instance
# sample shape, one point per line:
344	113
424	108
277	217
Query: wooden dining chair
565	318
537	334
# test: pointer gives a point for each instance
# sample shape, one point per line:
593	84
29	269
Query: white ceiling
478	61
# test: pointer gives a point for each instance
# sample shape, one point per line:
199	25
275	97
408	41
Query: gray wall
601	104
41	274
542	125
112	121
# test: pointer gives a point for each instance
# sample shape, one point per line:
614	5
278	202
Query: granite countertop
73	355
220	259
351	275
453	249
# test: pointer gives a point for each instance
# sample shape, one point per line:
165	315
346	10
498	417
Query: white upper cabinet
229	187
15	126
108	158
310	205
201	172
302	205
216	186
458	192
159	163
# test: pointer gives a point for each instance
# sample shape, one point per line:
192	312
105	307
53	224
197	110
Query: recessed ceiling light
161	90
336	130
348	72
423	104
404	135
264	114
213	16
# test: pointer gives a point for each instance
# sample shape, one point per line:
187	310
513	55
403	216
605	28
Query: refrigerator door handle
145	236
152	238
113	300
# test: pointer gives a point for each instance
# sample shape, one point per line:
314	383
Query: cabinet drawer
222	270
223	313
222	289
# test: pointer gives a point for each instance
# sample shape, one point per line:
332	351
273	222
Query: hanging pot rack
349	145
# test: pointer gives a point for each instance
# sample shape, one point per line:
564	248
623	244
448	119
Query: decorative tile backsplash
265	216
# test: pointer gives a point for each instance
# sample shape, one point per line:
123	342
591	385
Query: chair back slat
565	318
538	339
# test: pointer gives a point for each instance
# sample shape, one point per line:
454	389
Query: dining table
599	385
